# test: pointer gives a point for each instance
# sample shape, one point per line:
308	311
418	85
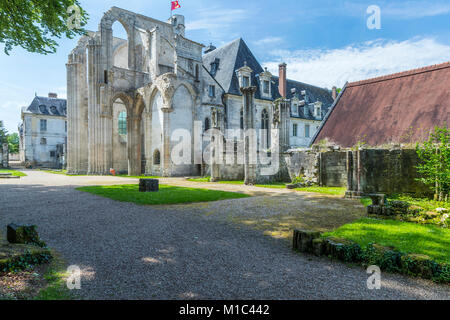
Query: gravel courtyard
196	251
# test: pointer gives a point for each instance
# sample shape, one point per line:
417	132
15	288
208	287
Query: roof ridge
402	74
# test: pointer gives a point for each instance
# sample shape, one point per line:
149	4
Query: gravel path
179	252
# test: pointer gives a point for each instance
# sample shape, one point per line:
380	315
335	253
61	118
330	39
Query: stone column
134	145
165	156
217	147
250	143
147	127
94	109
77	135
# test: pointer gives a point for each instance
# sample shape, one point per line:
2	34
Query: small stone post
148	185
5	158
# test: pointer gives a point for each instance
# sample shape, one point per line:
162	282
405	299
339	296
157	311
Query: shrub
435	166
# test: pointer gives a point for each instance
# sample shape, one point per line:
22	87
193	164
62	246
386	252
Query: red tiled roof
401	107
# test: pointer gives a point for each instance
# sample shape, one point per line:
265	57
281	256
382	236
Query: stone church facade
127	98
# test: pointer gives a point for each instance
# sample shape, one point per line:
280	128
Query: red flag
175	5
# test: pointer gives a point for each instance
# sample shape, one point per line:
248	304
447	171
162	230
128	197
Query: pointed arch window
157	158
123	123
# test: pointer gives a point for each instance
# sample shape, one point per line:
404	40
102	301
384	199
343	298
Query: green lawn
325	190
275	185
404	236
166	195
13	172
136	177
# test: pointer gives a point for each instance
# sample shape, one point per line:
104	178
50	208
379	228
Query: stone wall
384	171
333	169
303	162
362	172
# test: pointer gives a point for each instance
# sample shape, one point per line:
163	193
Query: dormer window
244	76
43	109
215	66
318	109
265	83
266	87
246	81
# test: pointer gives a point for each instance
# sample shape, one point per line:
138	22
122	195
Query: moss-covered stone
302	240
318	247
418	265
23	235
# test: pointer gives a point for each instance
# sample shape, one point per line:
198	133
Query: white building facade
43	132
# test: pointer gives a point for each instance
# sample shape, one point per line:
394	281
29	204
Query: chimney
210	48
53	95
282	80
334	93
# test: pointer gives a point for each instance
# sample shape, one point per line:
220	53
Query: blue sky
324	42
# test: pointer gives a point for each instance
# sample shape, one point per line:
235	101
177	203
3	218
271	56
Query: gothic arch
126	99
105	27
189	88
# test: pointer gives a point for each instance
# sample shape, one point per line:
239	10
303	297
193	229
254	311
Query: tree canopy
3	133
13	143
34	24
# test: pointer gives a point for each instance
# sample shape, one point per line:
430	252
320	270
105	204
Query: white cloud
268	41
10	112
216	18
416	9
327	68
404	10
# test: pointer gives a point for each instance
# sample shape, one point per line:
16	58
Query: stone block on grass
375	210
378	199
148	185
22	234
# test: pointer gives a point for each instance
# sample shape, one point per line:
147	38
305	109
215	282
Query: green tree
34	24
435	166
3	133
13	142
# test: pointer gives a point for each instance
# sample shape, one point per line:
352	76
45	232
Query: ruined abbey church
126	98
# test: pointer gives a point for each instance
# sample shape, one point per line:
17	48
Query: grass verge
55	278
275	185
324	190
405	237
166	194
14	173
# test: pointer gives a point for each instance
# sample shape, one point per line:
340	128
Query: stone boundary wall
384	171
333	169
363	172
324	168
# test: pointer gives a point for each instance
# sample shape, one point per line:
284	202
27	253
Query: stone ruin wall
361	172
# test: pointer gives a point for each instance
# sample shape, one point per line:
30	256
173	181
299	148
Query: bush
435	166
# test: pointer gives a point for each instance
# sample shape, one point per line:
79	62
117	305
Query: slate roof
236	54
47	106
400	108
